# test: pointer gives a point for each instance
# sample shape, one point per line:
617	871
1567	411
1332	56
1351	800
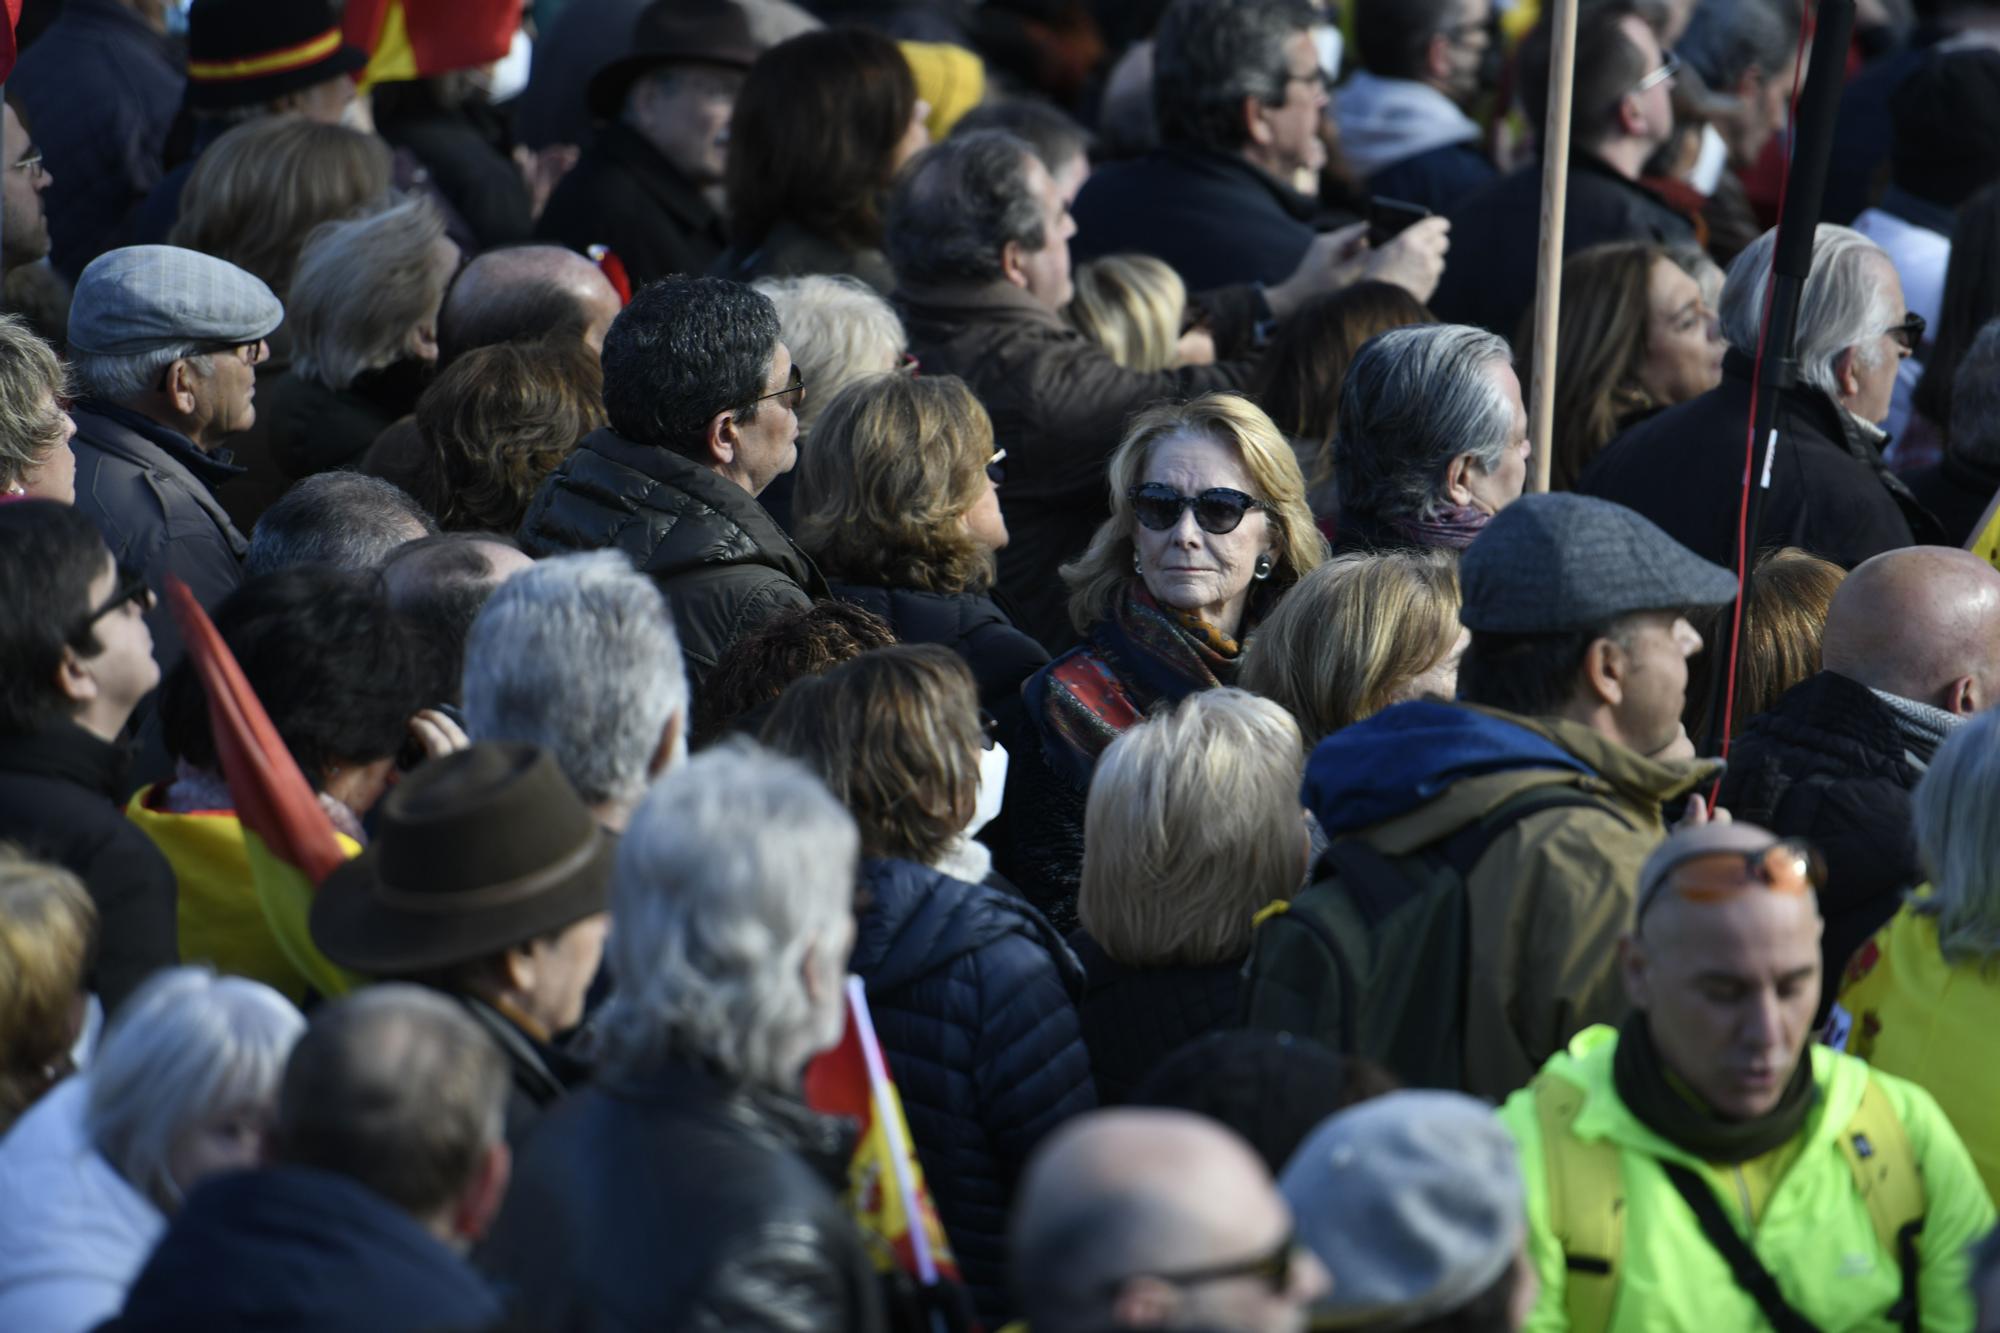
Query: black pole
1791	261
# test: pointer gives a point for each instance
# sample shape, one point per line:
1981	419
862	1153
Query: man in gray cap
163	343
1462	923
1706	1164
1413	1202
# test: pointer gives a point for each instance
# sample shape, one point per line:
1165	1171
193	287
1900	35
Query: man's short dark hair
343	519
1608	66
395	1088
1534	675
50	554
682	351
438	586
1208	56
338	672
798	641
1051	135
957	206
1391	36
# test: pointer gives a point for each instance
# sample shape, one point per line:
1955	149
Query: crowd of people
567	568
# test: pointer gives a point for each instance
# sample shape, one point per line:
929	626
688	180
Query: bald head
525	293
1922	623
1131	1193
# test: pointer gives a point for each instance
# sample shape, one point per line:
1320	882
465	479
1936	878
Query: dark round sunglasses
1218	510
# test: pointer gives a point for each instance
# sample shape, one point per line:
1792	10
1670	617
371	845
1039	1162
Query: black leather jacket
675	1200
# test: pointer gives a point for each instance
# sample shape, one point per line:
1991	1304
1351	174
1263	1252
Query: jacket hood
1404	757
1386	121
305	1250
919	920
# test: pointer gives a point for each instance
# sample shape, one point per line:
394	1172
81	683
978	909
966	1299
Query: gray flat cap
1547	564
145	297
1412	1201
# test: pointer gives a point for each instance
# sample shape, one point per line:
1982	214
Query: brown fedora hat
477	852
675	32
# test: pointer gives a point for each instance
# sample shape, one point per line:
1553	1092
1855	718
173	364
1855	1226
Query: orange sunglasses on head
1706	877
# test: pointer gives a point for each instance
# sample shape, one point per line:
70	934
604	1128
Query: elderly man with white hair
1827	489
688	1187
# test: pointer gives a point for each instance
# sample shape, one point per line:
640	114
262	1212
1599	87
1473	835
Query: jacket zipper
1743	1197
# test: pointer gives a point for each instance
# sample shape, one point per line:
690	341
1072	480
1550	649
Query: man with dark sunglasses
75	659
1134	1218
1707	1161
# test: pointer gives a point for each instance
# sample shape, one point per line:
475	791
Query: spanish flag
885	1182
291	842
416	39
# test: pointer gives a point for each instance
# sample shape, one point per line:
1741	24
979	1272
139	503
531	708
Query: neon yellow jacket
1917	1016
1807	1222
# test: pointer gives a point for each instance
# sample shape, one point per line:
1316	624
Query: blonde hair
838	330
32	381
1098	576
895	463
361	288
261	188
1131	306
47	923
1353	632
1192	826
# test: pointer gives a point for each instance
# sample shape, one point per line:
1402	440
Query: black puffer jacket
674	1200
968	623
1135	1017
974	999
723	564
1829	763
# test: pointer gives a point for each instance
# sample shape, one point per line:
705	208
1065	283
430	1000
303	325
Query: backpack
1586	1209
1372	958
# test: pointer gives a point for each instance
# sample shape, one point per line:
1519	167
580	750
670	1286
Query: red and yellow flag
291	843
416	39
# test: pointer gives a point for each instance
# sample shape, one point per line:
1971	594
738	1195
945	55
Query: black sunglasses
996	466
1219	510
1273	1268
1909	335
130	587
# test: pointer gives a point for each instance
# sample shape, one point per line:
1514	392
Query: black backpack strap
1744	1266
1464	848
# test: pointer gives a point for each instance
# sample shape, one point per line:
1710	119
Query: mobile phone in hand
1389	218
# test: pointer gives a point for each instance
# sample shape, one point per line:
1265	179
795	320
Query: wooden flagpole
1555	192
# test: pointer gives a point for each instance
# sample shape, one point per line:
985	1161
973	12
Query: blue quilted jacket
974	999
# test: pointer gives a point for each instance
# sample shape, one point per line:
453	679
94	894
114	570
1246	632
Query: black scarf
1670	1108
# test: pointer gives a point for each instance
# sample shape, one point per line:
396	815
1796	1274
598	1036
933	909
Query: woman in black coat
897	504
1193	827
972	993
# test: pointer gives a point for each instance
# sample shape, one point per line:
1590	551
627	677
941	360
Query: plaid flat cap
145	297
1549	564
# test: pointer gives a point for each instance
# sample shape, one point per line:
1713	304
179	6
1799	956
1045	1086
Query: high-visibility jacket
1800	1208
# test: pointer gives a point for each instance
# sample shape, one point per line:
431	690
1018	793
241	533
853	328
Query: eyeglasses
796	388
996	469
1315	80
1909	335
1273	1268
1671	66
1159	507
1784	867
32	164
250	354
130	587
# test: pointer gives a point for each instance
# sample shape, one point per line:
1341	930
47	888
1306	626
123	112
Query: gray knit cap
1548	564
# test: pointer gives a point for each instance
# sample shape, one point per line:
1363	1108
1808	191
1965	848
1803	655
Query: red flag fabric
10	50
416	39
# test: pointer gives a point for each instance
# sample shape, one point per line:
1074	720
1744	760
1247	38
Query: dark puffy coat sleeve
1031	1069
790	1276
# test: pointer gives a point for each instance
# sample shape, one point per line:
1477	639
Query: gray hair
361	288
117	378
957	206
1727	38
1415	399
735	876
1843	304
187	1045
578	655
1209	56
1956	818
1975	400
343	519
838	330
